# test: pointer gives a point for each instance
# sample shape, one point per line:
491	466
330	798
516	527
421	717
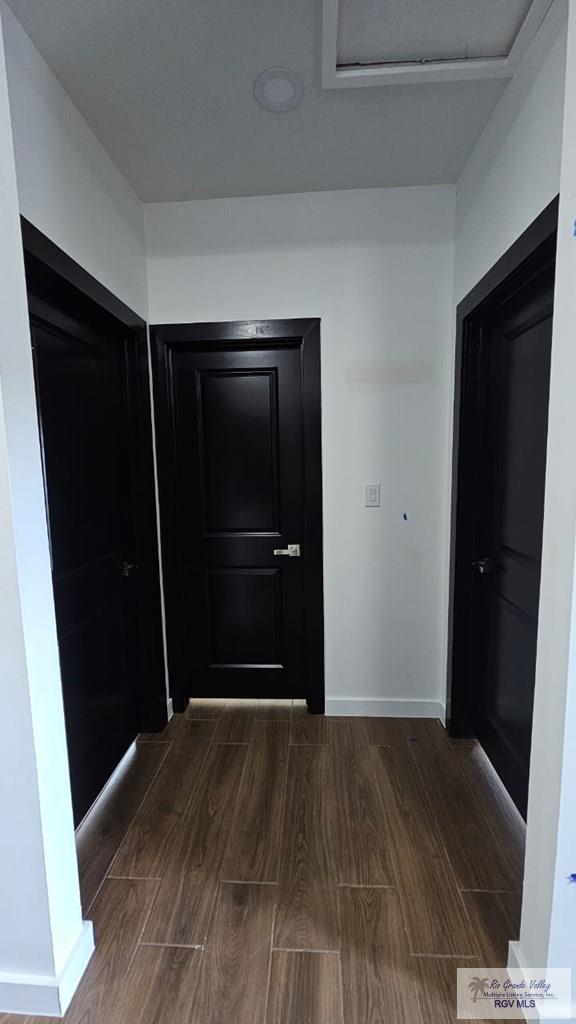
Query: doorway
501	422
92	392
240	478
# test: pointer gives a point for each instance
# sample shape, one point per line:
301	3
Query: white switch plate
371	495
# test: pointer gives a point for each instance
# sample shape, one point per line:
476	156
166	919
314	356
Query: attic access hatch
397	42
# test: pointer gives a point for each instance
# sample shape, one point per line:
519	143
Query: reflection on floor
256	865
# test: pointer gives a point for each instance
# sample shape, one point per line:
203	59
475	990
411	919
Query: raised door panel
238	437
245	616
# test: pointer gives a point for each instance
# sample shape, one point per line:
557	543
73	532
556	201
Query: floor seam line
269	975
299	949
170	945
201	767
143	929
128	827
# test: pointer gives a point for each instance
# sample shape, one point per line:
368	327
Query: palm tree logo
477	987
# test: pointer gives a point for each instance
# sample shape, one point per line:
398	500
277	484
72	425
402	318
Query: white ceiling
381	31
167	87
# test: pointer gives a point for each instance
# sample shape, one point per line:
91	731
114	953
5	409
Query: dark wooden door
80	368
513	388
238	604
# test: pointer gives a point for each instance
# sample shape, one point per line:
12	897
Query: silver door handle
484	566
292	551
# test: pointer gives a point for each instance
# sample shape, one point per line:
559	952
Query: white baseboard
170	708
371	707
42	996
515	957
517	960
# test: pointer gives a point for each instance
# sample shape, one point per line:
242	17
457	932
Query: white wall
67	184
44	945
376	266
549	906
519	164
514	169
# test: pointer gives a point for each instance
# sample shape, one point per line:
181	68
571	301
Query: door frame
300	334
529	255
149	691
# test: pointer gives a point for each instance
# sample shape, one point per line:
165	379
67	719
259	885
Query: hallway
257	864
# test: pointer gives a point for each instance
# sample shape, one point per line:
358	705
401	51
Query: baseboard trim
516	959
515	956
42	996
119	769
371	707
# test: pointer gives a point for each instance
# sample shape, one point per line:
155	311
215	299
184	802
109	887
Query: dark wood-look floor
255	865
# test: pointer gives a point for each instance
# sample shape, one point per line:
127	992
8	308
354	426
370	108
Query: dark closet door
241	520
238	448
506	567
80	368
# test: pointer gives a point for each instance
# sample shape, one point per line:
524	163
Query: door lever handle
484	566
292	551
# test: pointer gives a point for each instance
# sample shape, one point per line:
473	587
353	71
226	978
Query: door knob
292	551
128	568
484	566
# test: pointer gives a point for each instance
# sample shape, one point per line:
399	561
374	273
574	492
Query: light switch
371	495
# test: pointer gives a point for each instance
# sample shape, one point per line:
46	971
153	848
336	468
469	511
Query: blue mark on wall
572	879
405	517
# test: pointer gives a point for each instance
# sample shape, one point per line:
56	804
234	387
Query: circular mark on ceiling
278	89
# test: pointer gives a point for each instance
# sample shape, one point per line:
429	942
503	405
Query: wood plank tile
253	852
495	920
397	732
434	912
236	723
494	806
377	972
144	852
209	708
306	728
307	916
333	829
174	730
478	859
102	832
436	981
119	913
161	986
236	962
274	710
305	988
363	850
182	910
